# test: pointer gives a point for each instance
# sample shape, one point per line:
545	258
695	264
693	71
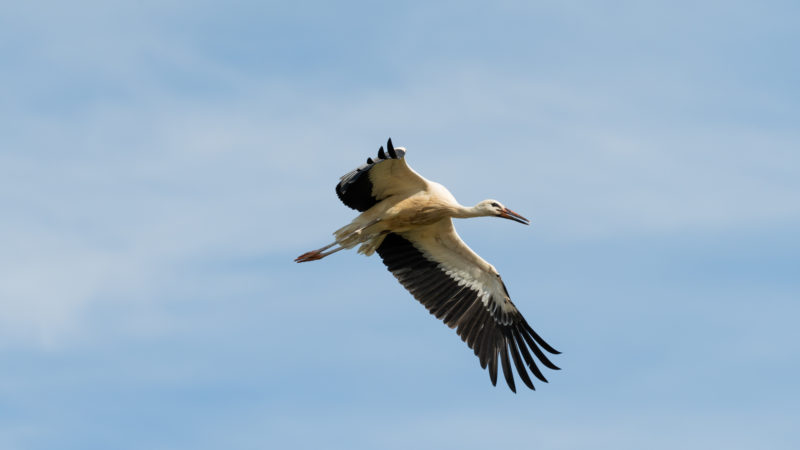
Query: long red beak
509	214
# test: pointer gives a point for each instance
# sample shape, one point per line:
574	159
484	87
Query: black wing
468	306
379	178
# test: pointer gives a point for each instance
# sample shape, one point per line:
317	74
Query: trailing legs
347	241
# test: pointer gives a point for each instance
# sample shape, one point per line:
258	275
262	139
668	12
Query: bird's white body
407	219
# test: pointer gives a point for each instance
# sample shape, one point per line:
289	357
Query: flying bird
407	219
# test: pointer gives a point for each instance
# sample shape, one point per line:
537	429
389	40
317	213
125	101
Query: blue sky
162	163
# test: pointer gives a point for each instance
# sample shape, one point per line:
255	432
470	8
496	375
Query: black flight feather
355	188
461	307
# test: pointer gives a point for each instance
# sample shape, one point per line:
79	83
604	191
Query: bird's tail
369	247
349	235
355	232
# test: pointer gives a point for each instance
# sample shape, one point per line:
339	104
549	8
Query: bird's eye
494	204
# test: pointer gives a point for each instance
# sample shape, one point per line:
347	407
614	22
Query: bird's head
494	208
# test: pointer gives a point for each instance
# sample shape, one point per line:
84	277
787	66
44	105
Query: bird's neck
463	212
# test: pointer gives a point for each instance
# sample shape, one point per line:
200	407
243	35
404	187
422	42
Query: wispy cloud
160	179
161	163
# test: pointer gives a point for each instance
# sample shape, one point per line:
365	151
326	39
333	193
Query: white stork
407	220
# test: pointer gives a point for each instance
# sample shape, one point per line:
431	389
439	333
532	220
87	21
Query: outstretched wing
378	179
463	290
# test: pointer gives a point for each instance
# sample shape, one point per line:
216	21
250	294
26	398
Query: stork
407	219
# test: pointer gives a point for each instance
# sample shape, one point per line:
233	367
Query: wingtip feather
507	373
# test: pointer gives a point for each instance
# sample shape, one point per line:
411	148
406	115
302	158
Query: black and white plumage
408	221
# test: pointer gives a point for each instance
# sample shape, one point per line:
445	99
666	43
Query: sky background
163	162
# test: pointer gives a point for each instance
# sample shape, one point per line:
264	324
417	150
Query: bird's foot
309	256
318	253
